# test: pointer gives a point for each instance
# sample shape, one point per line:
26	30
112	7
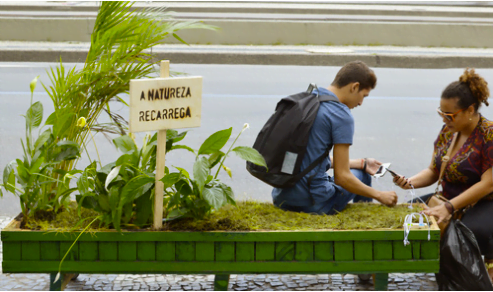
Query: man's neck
337	91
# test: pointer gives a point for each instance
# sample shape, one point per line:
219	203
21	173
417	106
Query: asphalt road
397	123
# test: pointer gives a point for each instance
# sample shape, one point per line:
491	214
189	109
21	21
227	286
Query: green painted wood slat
245	251
402	252
363	250
382	250
88	251
127	251
50	250
12	251
31	251
204	251
253	236
430	250
73	255
304	251
185	251
404	266
108	251
324	251
264	251
165	251
343	251
284	251
146	251
225	251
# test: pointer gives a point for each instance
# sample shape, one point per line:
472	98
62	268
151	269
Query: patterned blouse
470	161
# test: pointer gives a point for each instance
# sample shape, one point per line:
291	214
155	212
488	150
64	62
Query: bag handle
445	160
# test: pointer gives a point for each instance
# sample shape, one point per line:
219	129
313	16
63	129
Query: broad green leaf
229	194
69	150
135	188
215	157
9	168
125	144
170	179
183	172
143	209
181	147
200	172
34	114
183	187
111	176
250	154
9	177
42	139
215	142
180	136
51	120
214	196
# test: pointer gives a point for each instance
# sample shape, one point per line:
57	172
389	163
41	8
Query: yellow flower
81	122
228	170
131	135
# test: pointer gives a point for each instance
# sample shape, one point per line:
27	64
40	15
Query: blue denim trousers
338	201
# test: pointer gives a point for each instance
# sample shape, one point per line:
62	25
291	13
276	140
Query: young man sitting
334	128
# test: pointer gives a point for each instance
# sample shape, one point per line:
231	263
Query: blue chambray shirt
334	124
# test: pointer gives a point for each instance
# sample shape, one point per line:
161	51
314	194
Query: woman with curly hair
467	179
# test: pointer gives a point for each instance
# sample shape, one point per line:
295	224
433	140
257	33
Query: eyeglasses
450	117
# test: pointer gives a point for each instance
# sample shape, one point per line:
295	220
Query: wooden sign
160	104
165	103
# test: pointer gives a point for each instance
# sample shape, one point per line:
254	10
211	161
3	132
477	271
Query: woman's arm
470	196
422	179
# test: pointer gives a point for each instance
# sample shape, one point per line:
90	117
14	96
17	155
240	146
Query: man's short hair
356	71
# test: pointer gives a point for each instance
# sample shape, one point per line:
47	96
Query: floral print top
469	163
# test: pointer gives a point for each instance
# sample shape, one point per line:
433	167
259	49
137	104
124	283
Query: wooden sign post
160	104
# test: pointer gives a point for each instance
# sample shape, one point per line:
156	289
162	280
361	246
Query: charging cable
408	224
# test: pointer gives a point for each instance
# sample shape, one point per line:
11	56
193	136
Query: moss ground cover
251	215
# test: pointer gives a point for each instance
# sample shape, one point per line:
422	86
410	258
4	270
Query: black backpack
283	139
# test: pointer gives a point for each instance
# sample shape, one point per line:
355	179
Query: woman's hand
440	212
372	165
402	182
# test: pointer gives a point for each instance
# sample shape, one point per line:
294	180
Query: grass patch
249	216
265	216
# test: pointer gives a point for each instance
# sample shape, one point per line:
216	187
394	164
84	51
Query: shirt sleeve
342	127
487	152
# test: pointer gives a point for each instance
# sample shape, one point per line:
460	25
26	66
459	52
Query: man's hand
387	198
372	165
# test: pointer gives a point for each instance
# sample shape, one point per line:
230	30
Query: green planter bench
221	253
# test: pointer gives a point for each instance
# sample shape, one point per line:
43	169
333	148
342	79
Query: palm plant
119	52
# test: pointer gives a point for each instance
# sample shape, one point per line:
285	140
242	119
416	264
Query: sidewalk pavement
305	55
270	282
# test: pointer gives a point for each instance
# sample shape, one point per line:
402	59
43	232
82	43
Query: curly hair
471	89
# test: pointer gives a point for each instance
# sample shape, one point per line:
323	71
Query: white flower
245	126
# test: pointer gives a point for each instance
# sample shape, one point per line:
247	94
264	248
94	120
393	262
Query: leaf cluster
198	195
122	191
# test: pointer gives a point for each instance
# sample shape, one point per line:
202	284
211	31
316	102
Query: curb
373	60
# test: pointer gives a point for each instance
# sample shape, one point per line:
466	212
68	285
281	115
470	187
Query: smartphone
382	170
393	173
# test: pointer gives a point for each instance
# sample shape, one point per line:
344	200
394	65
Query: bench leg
381	281
60	284
221	282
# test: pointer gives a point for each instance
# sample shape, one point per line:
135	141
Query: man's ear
354	87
